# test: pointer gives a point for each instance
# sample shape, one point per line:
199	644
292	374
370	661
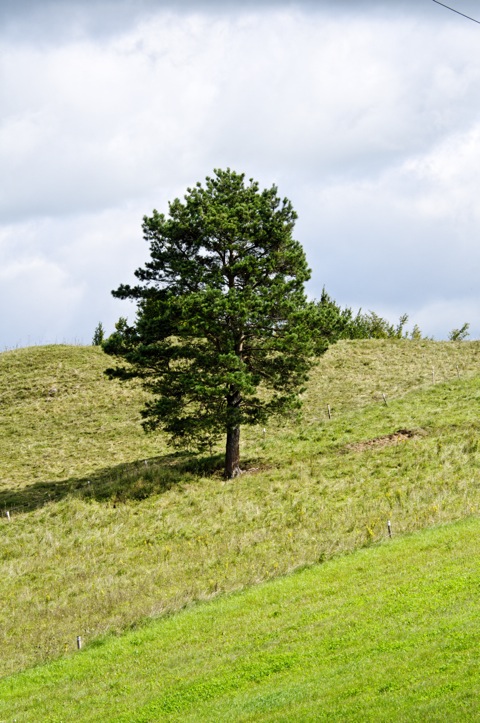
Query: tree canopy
223	332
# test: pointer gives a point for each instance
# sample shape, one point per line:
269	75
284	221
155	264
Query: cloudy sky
366	114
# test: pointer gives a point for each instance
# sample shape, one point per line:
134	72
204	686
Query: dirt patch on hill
401	435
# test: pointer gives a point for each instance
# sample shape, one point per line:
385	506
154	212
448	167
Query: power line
456	11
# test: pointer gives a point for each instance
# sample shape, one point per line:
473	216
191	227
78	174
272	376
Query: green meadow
204	599
387	633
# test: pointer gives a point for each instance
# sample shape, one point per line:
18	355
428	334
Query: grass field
109	526
387	633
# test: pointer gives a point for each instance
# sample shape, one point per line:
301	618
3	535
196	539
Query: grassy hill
109	526
350	640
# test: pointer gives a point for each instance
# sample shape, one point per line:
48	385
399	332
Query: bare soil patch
386	440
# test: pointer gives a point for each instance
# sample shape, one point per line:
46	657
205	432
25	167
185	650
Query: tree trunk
232	453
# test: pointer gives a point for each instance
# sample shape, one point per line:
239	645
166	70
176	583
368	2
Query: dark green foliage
334	323
98	335
223	334
459	334
373	326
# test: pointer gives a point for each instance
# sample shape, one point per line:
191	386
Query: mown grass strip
387	633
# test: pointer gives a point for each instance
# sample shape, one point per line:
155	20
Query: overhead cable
456	11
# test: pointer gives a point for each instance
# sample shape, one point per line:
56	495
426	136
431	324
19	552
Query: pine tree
223	333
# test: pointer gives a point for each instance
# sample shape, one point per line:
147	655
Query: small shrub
98	335
459	334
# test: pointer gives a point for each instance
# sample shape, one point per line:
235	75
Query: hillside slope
108	526
61	418
385	634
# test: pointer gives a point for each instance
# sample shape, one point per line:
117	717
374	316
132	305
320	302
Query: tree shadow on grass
121	483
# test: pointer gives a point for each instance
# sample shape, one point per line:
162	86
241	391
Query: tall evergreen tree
223	333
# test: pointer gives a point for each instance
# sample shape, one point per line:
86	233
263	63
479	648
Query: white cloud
56	291
39	302
88	123
365	117
448	178
442	317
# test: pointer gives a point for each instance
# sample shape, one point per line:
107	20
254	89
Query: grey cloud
88	125
54	21
368	122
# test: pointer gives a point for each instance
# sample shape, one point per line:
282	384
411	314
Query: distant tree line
337	323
